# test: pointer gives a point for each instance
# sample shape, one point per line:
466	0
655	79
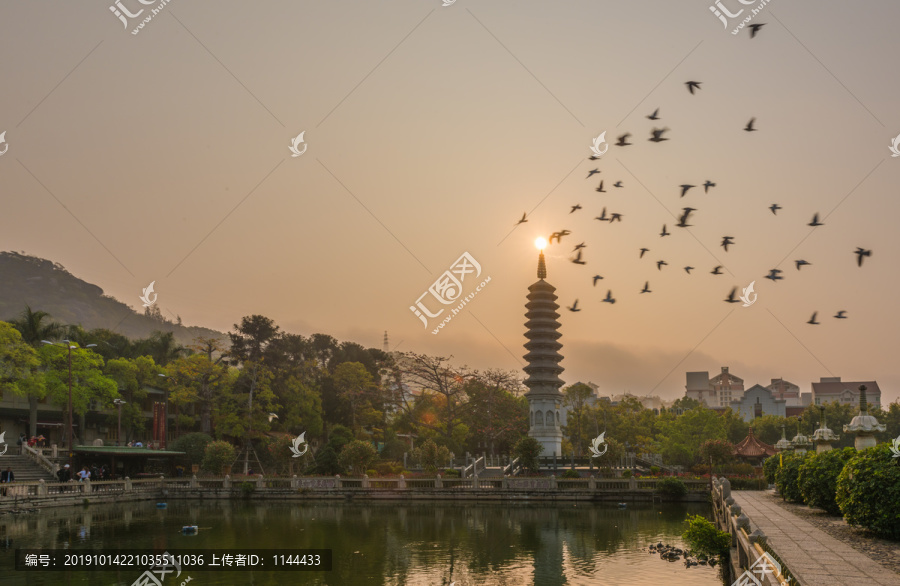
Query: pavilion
125	461
752	450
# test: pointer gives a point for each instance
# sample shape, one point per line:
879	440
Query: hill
48	286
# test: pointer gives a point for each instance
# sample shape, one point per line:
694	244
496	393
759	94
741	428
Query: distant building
831	388
756	402
782	389
651	402
716	392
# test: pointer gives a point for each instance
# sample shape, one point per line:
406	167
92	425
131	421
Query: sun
540	243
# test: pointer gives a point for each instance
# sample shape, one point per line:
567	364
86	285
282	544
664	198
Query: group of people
38	441
64	474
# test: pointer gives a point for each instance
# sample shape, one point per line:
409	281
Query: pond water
393	543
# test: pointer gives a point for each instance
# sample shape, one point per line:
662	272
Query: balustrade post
475	481
260	481
337	481
402	482
632	483
553	484
438	482
128	486
365	481
294	482
42	488
86	486
227	482
592	482
505	482
194	482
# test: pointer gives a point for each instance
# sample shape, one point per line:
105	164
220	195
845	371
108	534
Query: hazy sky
430	130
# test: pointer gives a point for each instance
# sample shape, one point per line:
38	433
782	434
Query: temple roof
751	447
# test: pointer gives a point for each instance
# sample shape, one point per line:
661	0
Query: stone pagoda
864	425
800	442
543	368
784	444
824	437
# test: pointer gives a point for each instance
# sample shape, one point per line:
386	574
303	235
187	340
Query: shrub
394	449
371	473
570	474
527	451
748	483
327	462
356	456
388	468
247	489
654	470
868	490
451	473
192	444
703	537
671	487
218	455
430	455
770	467
818	478
786	477
626	474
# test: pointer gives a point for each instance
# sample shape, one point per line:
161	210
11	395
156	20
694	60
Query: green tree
19	369
218	456
36	328
580	420
356	387
682	435
356	456
703	537
201	379
192	444
497	418
527	450
716	451
431	456
132	376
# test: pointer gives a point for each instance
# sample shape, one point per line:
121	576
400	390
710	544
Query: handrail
40	459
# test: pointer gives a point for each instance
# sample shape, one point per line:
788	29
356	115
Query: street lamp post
70	347
118	403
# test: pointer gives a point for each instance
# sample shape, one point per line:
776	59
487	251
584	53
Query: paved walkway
813	557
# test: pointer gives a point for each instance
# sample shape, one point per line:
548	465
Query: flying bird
577	246
615	217
657	135
860	253
664	233
840	314
685	188
691	85
815	221
726	240
754	28
774	207
716	271
655	115
774	275
682	221
707	185
801	262
558	236
574	307
749	127
575	208
609	297
812	320
272	416
577	260
523	220
646	288
731	296
600	188
596	278
618	184
643	250
688	270
593	158
660	264
623	140
593	171
602	217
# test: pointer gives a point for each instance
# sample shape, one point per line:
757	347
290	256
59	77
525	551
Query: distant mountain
48	286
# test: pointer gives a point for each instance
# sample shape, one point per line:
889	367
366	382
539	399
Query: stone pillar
128	486
632	483
86	486
294	482
42	488
194	482
227	482
592	483
475	481
504	483
260	481
553	482
402	482
438	482
337	481
365	481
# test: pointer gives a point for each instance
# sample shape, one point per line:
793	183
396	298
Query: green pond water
389	543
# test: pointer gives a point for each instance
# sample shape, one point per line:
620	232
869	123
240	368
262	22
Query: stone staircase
25	469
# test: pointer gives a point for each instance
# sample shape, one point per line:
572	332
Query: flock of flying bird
656	135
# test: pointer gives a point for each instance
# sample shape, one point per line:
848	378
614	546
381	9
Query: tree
354	385
431	456
356	456
132	376
19	367
161	346
682	435
703	537
35	328
527	450
497	418
716	451
445	387
192	444
579	419
201	379
217	456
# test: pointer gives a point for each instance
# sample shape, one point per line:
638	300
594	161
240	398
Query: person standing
6	477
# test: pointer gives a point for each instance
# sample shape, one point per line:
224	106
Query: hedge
868	491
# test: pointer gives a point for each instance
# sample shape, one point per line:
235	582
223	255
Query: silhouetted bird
646	288
623	140
688	270
707	185
660	264
749	127
801	262
840	314
593	171
618	184
774	275
812	320
731	296
615	217
579	246
602	217
600	188
577	260
596	278
523	220
558	236
655	115
657	135
574	307
692	84
726	240
815	221
860	253
754	28
664	233
716	271
643	250
682	221
774	207
609	297
575	208
685	188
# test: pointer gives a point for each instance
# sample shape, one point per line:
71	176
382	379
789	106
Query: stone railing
37	455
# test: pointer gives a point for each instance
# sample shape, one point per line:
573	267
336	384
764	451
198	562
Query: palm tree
33	328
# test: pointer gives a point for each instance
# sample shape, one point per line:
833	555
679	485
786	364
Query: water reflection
409	543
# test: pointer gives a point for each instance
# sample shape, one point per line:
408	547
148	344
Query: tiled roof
750	447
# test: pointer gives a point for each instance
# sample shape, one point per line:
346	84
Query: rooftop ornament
864	425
